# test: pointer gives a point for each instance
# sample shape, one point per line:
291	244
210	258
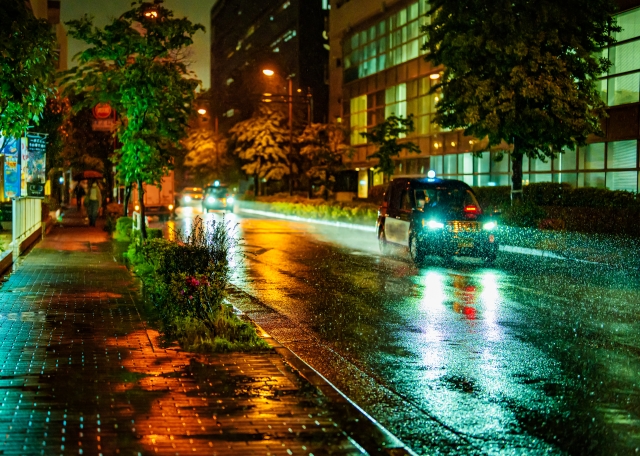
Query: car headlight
170	207
433	224
187	199
230	200
490	226
211	199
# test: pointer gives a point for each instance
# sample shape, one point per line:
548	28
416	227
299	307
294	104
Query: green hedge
560	195
319	209
560	206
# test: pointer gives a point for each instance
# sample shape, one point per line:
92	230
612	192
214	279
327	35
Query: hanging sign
11	151
24	165
36	175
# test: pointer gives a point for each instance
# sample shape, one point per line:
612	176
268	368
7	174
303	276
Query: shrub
186	280
491	198
154	233
523	215
123	229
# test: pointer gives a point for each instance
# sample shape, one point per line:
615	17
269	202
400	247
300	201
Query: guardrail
27	219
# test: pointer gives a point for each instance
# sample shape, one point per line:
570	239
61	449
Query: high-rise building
377	67
288	36
50	10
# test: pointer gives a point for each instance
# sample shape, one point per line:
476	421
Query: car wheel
416	250
383	244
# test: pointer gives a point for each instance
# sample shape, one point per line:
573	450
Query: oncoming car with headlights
431	216
217	196
190	196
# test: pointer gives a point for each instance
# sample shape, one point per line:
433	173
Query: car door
398	216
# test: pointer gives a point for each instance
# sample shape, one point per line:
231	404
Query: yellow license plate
465	244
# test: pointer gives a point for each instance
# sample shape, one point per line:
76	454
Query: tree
521	71
27	67
322	149
205	154
135	64
385	135
262	143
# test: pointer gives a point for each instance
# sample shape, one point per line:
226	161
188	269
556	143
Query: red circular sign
102	111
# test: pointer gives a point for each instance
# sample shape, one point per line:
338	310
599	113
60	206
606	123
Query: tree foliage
262	143
27	67
206	154
322	149
135	64
385	135
521	71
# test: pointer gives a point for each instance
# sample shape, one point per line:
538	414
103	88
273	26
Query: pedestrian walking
92	202
79	193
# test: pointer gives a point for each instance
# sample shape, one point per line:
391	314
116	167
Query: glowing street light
151	14
268	72
202	111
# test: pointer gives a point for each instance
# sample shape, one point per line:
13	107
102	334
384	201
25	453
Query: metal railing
26	220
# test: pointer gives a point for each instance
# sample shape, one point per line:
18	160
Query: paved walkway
80	373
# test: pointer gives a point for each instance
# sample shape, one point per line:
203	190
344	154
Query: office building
288	36
377	67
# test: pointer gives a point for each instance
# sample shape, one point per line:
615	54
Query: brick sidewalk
81	374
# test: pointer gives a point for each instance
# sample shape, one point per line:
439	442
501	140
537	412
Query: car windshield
192	190
217	192
447	197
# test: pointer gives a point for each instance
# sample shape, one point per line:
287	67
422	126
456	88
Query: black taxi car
432	216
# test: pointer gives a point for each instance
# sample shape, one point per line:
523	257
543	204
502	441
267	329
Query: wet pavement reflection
83	373
529	356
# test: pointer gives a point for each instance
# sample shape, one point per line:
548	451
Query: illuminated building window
390	42
358	119
622	83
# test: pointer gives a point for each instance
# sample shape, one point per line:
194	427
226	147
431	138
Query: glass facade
412	97
621	85
392	41
612	165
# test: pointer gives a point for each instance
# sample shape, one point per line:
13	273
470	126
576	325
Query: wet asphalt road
528	356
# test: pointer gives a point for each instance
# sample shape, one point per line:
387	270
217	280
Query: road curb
360	427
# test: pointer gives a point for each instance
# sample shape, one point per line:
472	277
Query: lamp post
309	100
269	73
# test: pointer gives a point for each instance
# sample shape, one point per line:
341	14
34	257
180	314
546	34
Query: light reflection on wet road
530	356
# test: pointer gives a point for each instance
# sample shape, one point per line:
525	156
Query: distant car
217	197
431	216
191	196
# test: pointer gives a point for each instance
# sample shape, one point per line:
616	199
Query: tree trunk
256	185
127	197
516	176
143	224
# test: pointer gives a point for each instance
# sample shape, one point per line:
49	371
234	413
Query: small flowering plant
196	296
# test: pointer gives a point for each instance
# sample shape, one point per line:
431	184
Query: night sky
198	11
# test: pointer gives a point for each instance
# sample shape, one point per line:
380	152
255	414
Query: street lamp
202	111
269	73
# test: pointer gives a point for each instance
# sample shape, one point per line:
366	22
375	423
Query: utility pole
290	136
